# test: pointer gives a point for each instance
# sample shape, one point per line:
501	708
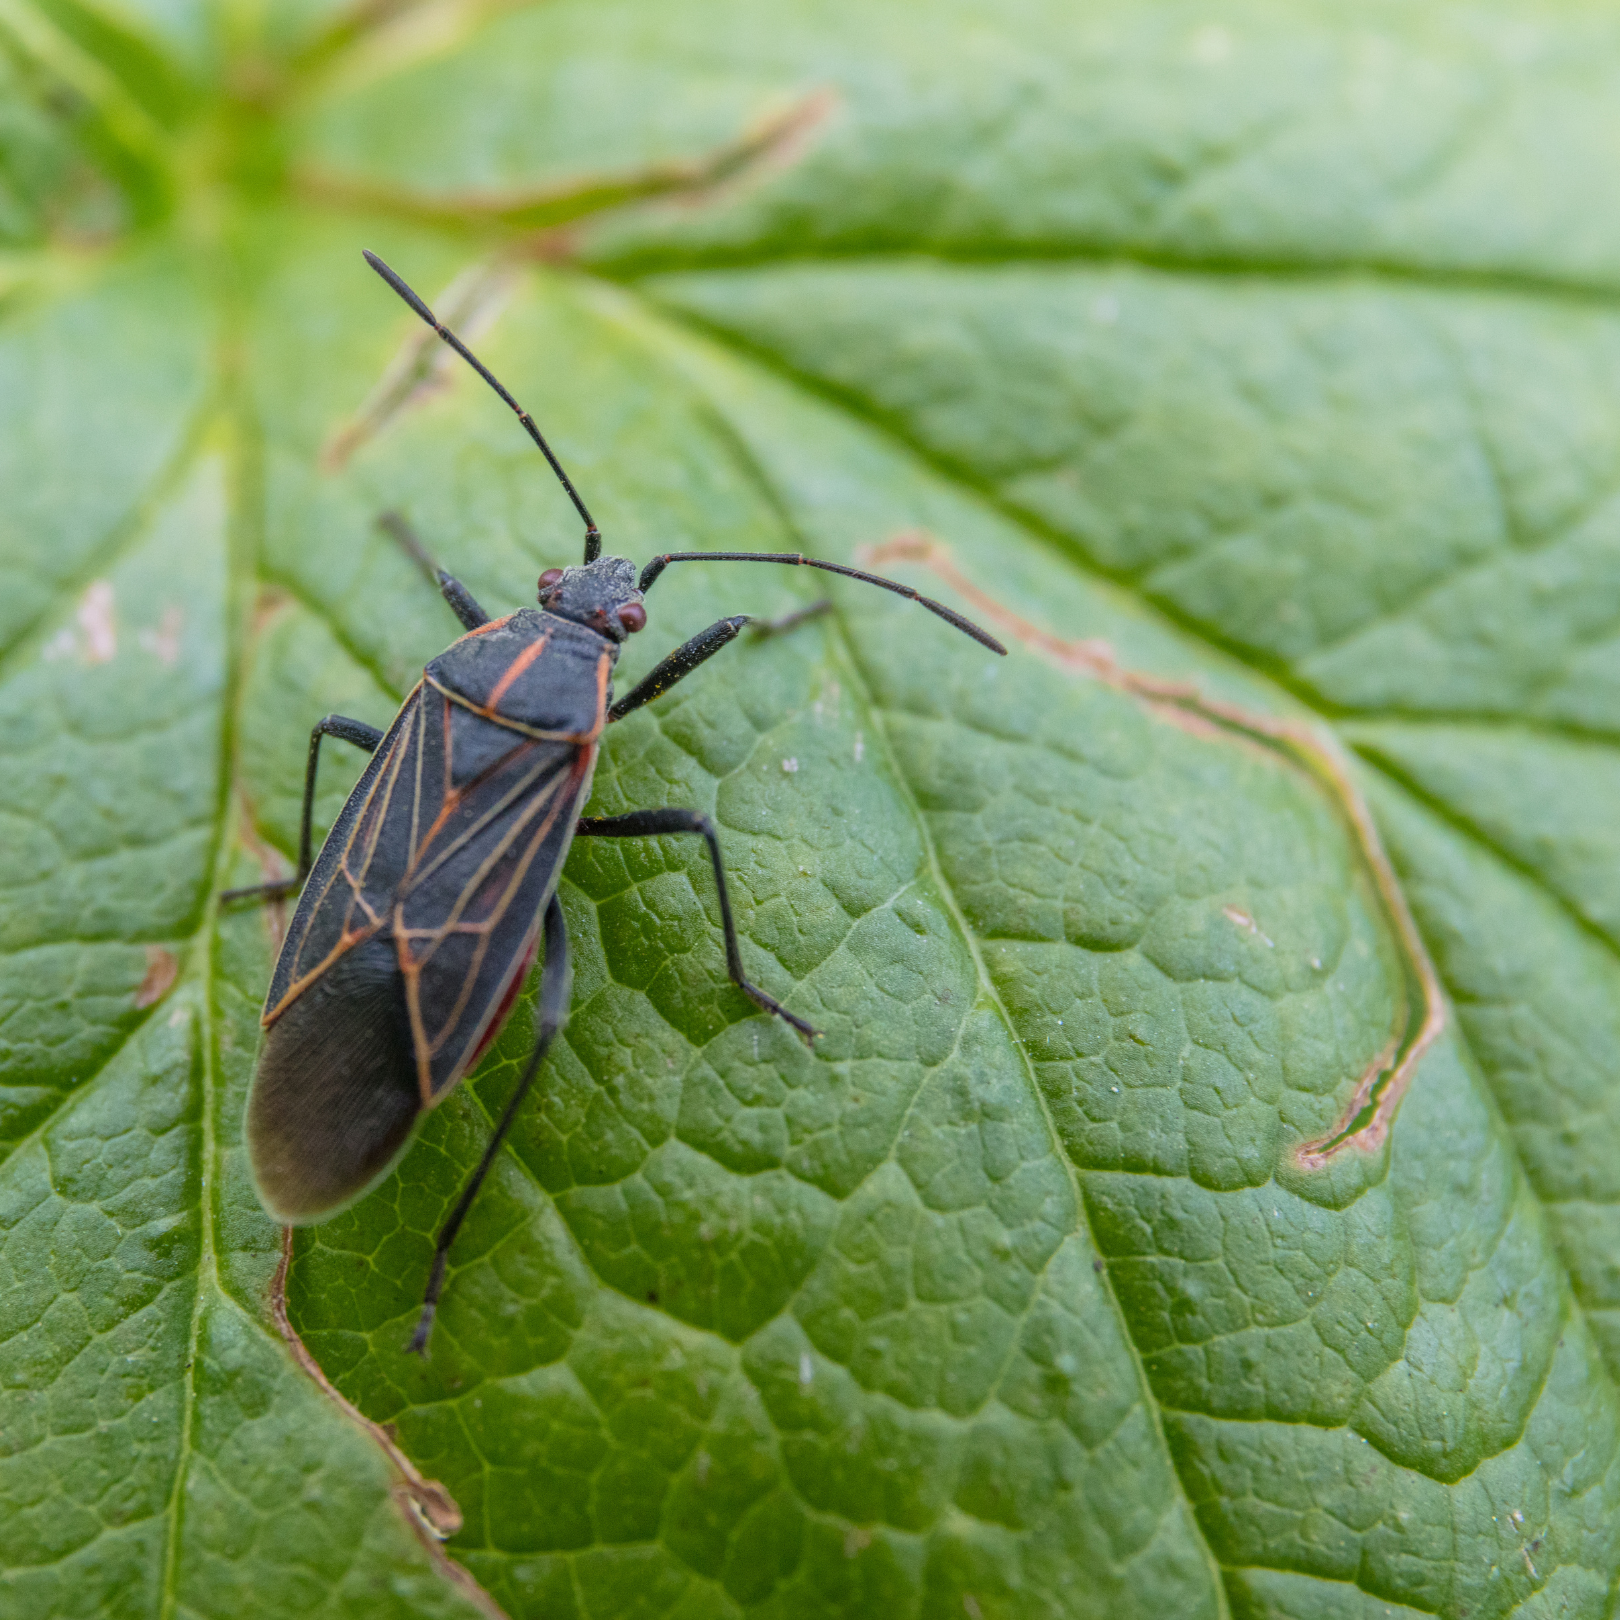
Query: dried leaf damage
426	1505
1364	1124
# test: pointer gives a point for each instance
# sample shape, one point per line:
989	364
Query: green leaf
1202	1201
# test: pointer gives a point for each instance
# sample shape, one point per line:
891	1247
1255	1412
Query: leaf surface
1253	378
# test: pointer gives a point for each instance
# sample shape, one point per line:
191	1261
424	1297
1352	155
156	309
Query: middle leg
650	823
334	725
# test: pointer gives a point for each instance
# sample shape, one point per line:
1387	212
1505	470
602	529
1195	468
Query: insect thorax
533	671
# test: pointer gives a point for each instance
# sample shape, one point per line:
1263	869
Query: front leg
702	647
680	663
453	591
649	824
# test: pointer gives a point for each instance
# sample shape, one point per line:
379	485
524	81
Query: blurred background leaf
1270	353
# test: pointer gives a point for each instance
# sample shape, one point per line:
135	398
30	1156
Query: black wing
419	917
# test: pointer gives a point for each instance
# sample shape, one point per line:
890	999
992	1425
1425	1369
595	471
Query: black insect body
420	919
471	798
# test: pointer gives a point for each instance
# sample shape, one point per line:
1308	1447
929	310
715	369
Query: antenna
593	535
799	560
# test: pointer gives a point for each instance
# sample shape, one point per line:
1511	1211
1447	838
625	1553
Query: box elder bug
422	914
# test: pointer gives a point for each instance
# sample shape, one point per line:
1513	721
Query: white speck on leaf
790	766
807	1370
95	616
1245	921
860	747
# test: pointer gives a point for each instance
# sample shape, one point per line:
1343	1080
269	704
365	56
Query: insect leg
550	1013
702	647
680	663
334	725
453	591
649	823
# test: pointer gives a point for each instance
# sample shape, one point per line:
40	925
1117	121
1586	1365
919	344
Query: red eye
550	578
633	617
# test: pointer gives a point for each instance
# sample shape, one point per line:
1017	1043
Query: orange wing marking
513	671
449	786
604	685
507	723
415	874
368	825
454	924
363	823
484	629
554	802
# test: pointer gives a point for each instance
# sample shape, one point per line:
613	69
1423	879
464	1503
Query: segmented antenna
593	535
797	559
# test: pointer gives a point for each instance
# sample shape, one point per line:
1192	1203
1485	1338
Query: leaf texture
1252	374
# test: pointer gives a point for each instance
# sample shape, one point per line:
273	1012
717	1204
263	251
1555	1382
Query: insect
421	917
